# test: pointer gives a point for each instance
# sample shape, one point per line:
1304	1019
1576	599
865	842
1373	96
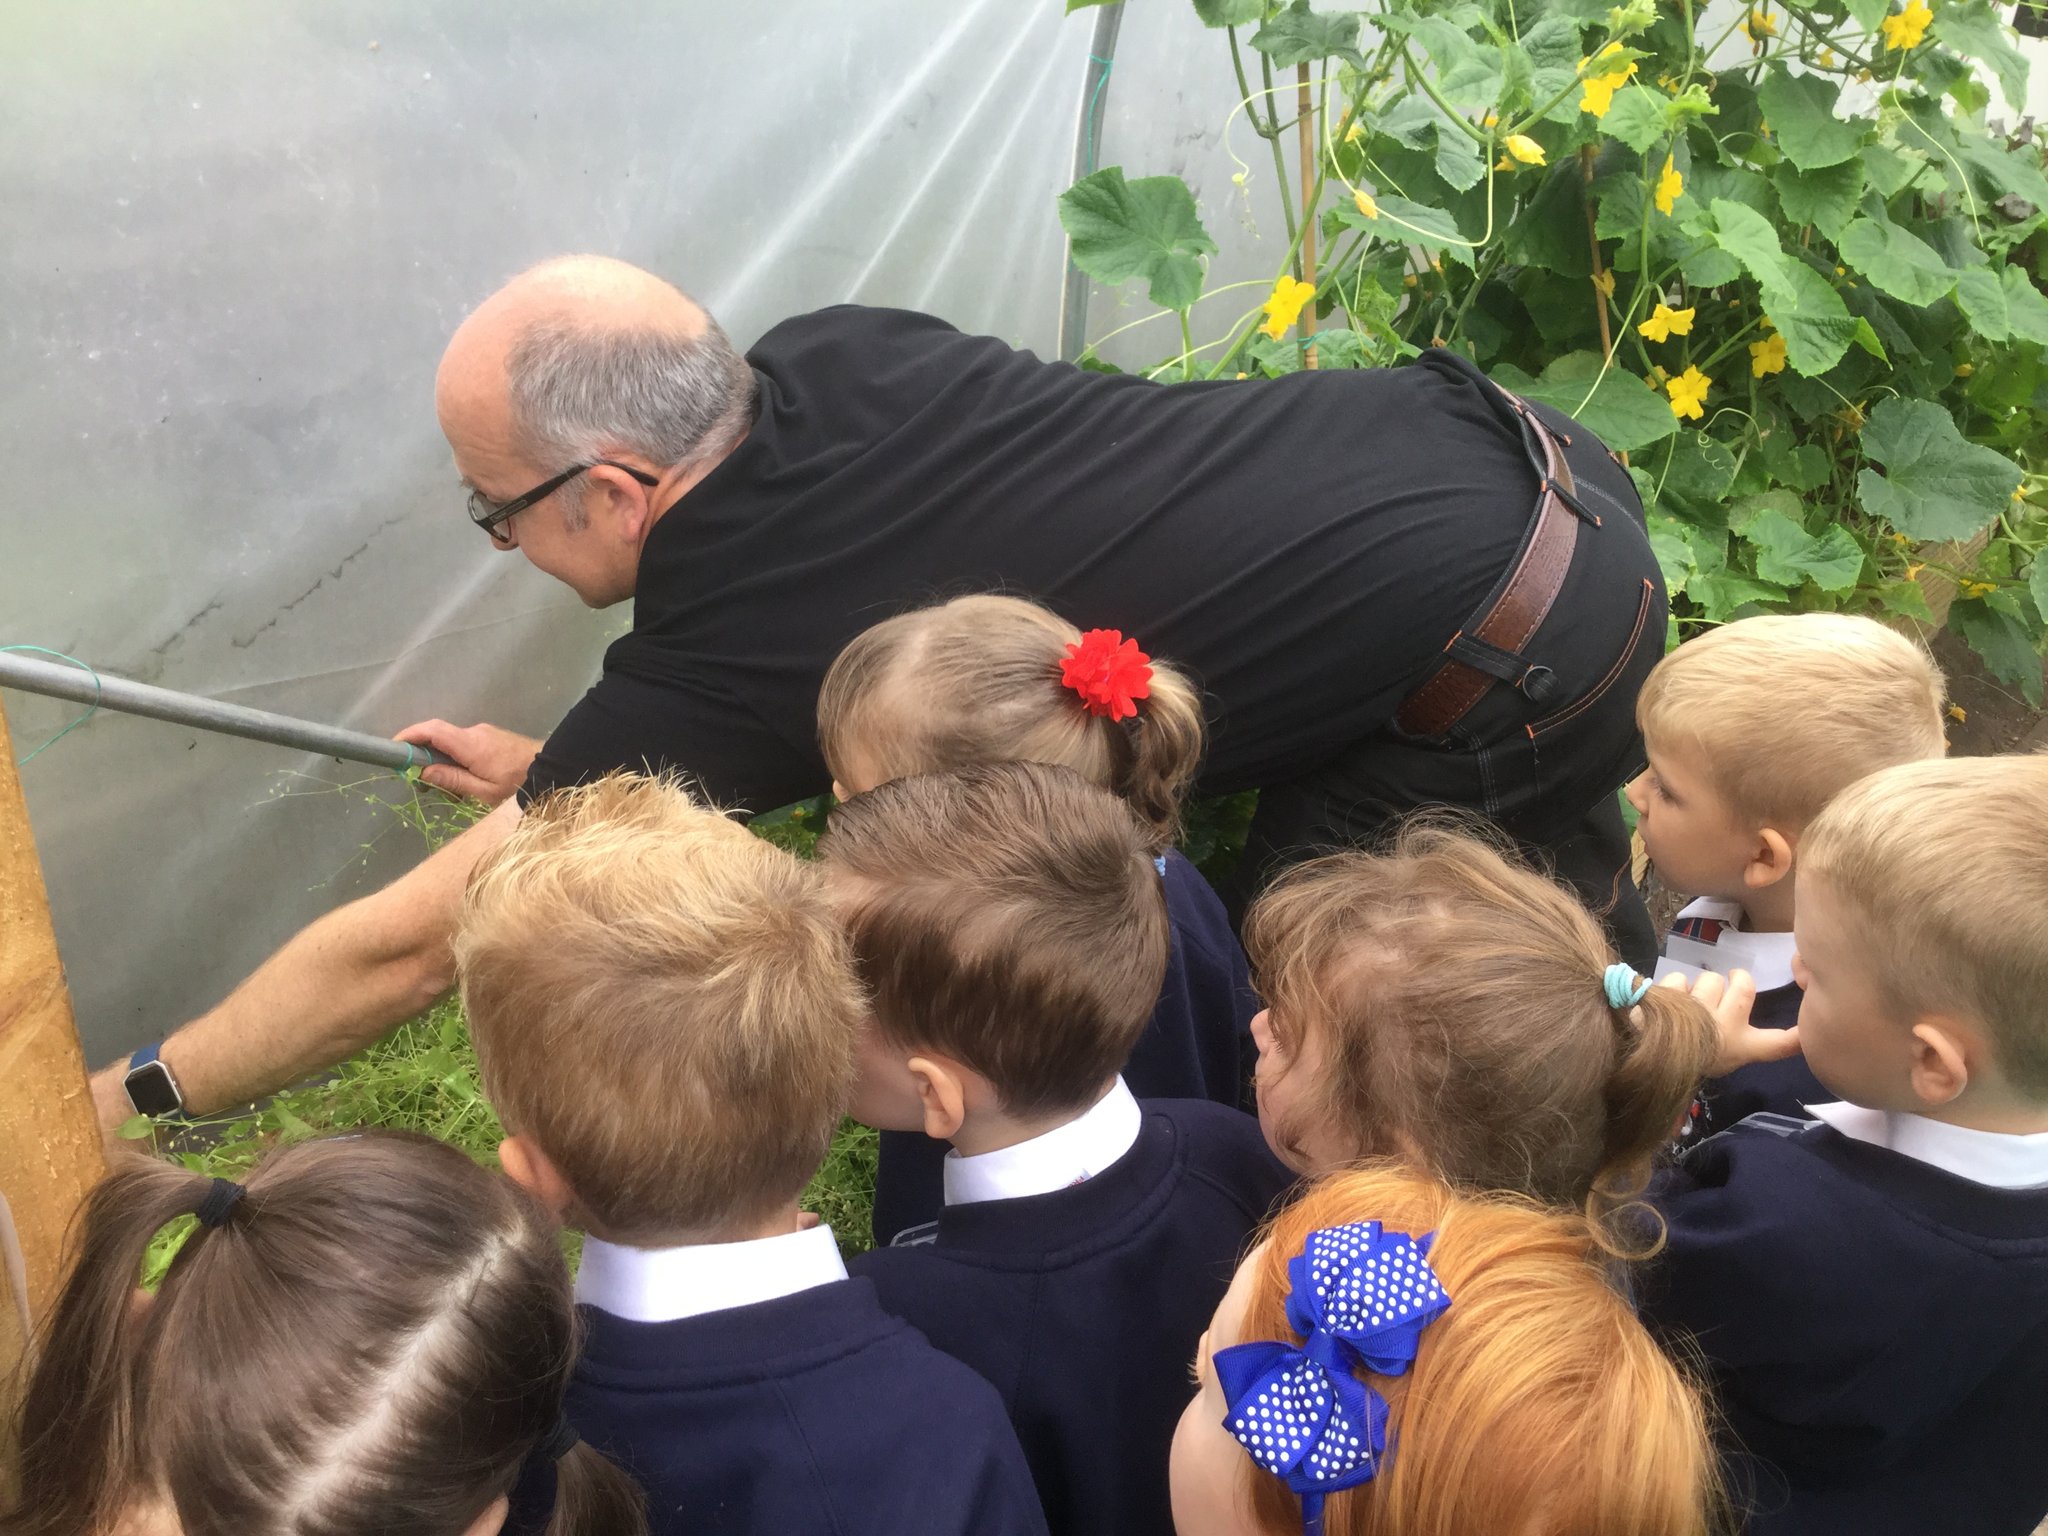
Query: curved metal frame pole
1087	145
54	680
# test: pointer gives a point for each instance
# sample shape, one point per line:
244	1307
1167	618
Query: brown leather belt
1488	648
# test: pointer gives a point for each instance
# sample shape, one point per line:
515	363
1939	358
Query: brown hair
1783	711
1008	915
1945	865
663	1002
1537	1404
1457	1000
977	680
375	1338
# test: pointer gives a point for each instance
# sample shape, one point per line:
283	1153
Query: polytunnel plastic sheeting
237	237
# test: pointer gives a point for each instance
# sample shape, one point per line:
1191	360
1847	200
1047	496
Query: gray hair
581	392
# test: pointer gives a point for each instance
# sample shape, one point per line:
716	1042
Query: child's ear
1941	1064
1770	860
942	1090
535	1172
492	1520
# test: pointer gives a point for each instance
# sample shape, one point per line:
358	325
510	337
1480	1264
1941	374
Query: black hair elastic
220	1199
561	1440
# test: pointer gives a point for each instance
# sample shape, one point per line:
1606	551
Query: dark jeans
1546	774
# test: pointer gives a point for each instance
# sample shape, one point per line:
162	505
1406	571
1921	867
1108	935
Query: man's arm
336	986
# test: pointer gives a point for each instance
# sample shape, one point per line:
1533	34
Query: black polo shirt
1304	546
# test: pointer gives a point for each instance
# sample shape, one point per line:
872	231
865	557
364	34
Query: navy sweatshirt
1877	1329
813	1413
1084	1306
1198	1045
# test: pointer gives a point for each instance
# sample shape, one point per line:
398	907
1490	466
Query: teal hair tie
1624	987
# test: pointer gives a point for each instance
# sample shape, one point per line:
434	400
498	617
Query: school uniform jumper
1706	936
1871	1294
1197	1045
1083	1299
753	1387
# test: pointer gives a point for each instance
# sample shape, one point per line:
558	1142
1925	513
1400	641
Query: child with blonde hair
992	679
371	1333
1442	1003
1751	729
665	1011
1399	1359
1870	1287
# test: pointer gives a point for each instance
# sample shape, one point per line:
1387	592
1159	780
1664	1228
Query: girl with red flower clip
988	679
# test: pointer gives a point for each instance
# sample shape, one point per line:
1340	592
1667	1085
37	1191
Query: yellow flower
1365	205
1766	356
1600	89
1978	588
1489	120
1355	132
1283	308
1604	281
1670	186
1667	323
1656	379
1827	58
1503	164
1524	148
1964	370
1759	23
1913	570
1907	28
1957	713
1688	393
1766	324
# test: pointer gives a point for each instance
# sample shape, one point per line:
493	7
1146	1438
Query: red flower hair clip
1108	671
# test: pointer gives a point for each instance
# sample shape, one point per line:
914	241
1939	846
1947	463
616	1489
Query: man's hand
1729	999
486	762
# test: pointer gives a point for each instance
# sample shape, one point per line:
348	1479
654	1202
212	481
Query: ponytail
1665	1046
1164	748
77	1432
593	1497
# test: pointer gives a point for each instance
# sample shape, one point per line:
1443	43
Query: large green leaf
2037	583
1299	35
1554	49
1468	72
1621	410
1145	228
1889	168
1411	223
1801	112
1869	13
1229	13
1749	237
1896	261
1787	553
2002	304
1825	198
1935	485
1639	117
1979	32
1803	305
1722	593
2001	170
1998	632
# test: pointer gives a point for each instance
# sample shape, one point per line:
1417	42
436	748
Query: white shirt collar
1067	1154
1766	956
660	1285
1996	1158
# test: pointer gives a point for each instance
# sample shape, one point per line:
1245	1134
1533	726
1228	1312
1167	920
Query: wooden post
50	1148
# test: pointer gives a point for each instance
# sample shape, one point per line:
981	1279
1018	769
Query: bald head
585	357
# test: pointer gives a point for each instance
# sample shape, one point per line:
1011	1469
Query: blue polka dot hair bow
1359	1297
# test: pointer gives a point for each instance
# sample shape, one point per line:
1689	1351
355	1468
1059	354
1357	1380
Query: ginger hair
1537	1404
376	1338
663	1002
1456	998
1782	712
1008	915
977	680
1944	866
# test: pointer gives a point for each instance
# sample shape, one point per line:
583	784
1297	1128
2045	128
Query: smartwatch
151	1088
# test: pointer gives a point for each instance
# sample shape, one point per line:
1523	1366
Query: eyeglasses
491	516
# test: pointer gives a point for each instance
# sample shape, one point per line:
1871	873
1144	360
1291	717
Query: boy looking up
664	1010
1750	730
1012	929
1871	1291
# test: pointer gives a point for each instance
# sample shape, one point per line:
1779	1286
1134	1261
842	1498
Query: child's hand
1729	999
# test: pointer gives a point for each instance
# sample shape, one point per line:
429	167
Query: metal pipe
1087	146
32	674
